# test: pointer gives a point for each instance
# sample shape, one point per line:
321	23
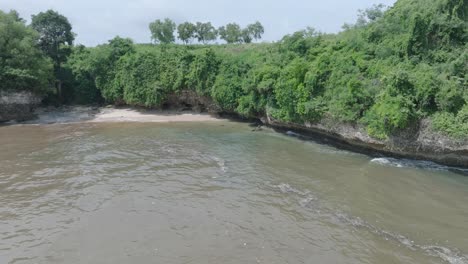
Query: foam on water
452	256
221	164
293	134
306	200
286	188
73	115
419	164
394	162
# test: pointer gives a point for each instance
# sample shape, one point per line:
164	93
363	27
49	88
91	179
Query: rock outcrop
17	106
417	142
190	100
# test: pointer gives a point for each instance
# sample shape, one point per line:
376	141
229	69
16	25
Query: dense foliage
56	40
387	71
22	64
162	31
55	35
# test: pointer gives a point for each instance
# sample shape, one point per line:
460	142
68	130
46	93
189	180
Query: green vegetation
162	31
387	71
22	65
205	32
186	32
55	40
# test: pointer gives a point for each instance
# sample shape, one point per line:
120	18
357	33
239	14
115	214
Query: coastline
417	143
86	114
134	115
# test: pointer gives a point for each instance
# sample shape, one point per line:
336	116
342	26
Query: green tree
205	32
186	32
162	31
16	16
252	31
23	66
55	39
105	65
84	90
231	33
119	47
370	14
247	35
256	30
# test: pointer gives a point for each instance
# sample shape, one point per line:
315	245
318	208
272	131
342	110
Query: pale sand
84	114
132	115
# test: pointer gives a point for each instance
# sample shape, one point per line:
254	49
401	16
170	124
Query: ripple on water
70	178
306	199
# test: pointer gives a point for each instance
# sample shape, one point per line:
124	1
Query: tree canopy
22	65
162	31
55	35
205	32
186	32
253	31
231	33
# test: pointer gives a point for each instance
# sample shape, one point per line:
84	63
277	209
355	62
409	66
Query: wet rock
419	141
257	128
18	106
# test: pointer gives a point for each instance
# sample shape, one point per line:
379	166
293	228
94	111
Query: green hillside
388	70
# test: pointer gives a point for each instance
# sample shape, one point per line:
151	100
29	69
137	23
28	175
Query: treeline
32	56
386	72
163	31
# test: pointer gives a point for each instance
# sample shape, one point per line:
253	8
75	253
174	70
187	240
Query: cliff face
190	100
17	106
419	141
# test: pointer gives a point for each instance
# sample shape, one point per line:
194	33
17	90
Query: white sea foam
420	164
293	134
221	164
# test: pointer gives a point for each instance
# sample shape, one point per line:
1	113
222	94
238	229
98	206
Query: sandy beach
132	115
111	114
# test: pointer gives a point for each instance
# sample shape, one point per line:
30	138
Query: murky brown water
217	193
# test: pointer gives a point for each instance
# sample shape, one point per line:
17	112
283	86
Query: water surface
217	193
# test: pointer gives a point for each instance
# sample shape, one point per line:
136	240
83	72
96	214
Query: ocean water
218	193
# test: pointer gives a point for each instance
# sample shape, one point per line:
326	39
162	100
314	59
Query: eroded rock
18	106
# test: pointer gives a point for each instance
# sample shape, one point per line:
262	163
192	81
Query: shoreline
110	115
419	145
86	114
341	136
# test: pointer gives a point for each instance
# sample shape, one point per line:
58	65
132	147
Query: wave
452	256
309	201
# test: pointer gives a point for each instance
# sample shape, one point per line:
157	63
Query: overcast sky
97	21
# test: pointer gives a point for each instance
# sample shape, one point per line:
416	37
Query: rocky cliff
418	142
17	106
190	100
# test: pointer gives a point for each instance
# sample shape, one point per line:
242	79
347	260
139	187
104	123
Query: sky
97	21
